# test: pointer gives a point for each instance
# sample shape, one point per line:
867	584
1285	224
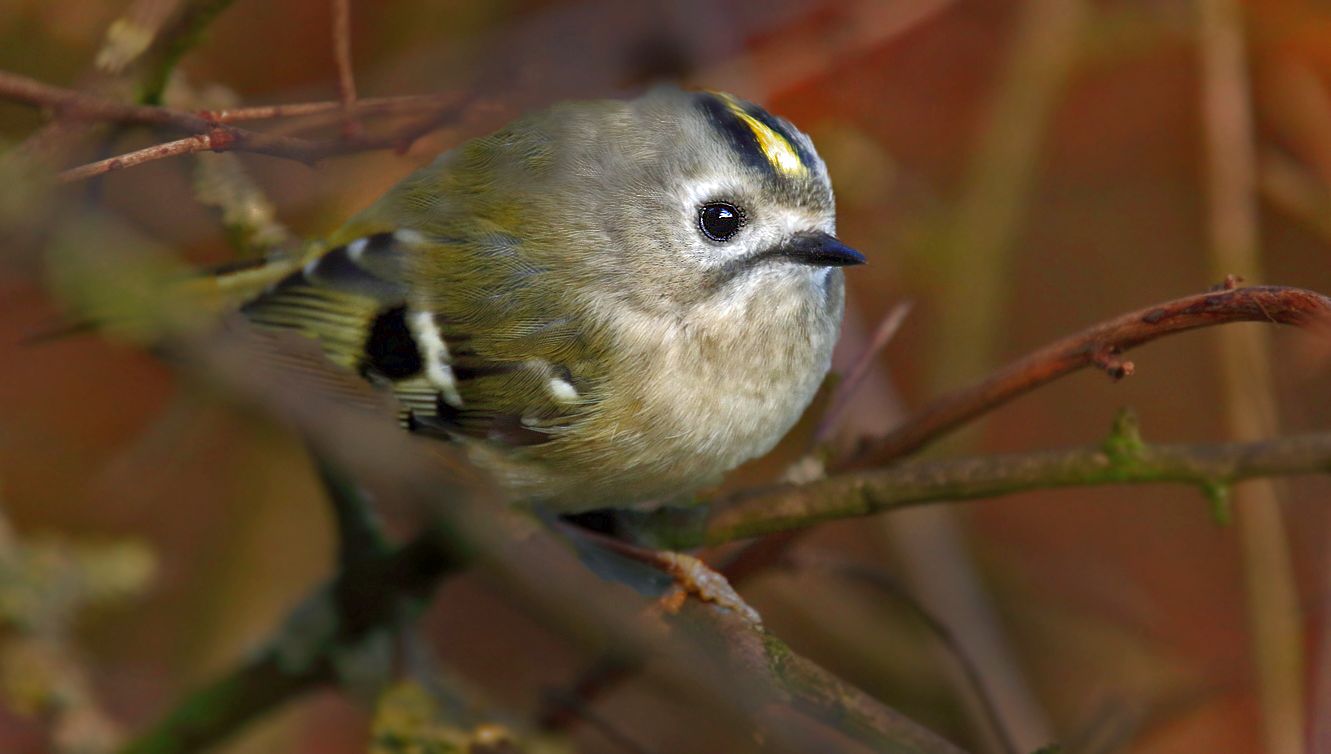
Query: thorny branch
214	132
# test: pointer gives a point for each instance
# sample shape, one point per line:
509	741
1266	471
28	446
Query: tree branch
1100	346
213	132
786	507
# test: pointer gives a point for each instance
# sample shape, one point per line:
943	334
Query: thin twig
67	103
346	75
146	74
1247	377
404	105
187	145
1275	304
220	139
845	390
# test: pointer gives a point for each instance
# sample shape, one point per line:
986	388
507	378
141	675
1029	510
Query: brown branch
231	139
1099	345
72	104
405	105
172	35
187	145
217	139
211	131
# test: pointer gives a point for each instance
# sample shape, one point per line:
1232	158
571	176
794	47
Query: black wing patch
390	350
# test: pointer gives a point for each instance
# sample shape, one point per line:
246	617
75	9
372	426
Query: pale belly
691	402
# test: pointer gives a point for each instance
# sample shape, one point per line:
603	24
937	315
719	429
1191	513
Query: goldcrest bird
606	304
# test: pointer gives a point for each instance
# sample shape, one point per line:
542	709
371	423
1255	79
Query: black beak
821	249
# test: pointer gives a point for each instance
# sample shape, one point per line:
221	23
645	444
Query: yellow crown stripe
775	147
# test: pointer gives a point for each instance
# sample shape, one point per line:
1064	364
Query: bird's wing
467	361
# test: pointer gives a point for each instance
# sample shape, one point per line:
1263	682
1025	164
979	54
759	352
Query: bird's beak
821	249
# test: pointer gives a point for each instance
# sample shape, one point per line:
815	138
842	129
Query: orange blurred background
1016	169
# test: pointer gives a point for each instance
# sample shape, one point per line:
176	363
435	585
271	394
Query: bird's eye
720	221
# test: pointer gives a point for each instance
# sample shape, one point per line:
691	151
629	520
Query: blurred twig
845	390
1246	373
359	535
1296	190
166	32
405	104
880	580
177	36
346	76
1101	346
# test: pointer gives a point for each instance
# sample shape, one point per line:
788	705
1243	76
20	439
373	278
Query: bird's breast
722	384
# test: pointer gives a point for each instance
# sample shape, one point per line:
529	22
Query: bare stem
782	508
346	76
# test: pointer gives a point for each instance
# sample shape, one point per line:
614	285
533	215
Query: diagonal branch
1099	345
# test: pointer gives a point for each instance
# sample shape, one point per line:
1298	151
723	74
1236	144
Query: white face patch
356	248
435	355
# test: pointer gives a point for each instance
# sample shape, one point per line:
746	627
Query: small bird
607	304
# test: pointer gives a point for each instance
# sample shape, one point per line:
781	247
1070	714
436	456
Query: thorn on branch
1230	283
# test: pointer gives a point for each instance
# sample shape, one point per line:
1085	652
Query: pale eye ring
720	221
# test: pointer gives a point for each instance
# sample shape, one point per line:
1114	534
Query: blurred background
1017	170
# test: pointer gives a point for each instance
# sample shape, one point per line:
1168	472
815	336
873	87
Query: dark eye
720	221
